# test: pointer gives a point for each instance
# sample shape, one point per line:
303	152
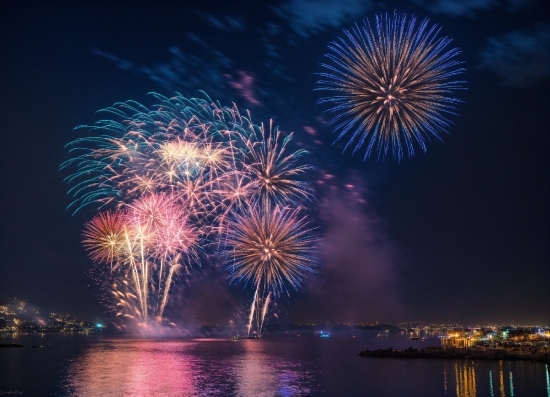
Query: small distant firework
392	85
270	249
173	179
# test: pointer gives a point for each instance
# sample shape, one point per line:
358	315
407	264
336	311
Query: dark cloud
274	58
273	29
197	66
470	7
308	17
120	63
222	22
355	281
197	39
226	23
183	71
513	5
521	59
457	7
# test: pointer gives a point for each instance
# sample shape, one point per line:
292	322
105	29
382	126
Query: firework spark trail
392	85
167	289
134	271
152	226
164	233
264	311
252	309
178	177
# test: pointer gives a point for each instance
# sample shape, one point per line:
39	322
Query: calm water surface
98	366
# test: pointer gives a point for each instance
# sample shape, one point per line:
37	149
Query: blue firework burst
392	86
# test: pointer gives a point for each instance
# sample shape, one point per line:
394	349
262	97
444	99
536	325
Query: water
78	365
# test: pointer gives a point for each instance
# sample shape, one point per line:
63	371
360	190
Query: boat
415	338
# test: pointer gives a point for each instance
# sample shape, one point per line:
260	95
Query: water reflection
283	368
259	374
501	383
491	383
185	368
132	368
465	377
494	378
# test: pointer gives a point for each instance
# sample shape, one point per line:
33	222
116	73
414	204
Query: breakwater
475	354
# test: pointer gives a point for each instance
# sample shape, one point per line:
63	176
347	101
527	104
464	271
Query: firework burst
178	179
275	173
149	240
270	249
103	237
392	85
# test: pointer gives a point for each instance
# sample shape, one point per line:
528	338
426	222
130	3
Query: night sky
458	234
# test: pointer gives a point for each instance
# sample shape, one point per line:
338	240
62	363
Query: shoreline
441	353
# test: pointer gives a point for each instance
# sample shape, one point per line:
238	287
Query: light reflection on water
96	366
259	374
471	378
210	367
185	368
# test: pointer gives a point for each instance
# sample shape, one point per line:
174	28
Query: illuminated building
457	339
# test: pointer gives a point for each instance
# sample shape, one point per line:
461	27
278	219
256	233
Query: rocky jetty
474	354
